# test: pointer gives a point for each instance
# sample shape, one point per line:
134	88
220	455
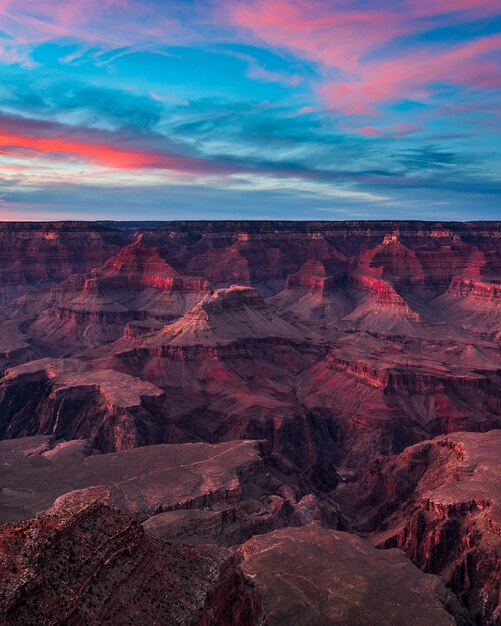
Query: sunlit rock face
226	381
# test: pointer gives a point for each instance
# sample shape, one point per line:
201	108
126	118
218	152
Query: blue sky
286	109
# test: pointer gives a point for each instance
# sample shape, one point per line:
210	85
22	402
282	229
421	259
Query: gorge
296	422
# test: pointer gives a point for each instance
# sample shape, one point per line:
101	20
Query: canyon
295	422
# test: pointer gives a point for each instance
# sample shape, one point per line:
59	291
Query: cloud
259	72
416	75
28	138
77	103
110	22
365	103
164	202
343	38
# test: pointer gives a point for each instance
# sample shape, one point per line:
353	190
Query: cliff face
85	562
377	335
475	289
439	501
140	283
34	255
66	399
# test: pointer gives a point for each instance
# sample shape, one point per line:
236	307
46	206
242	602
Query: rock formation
67	399
314	576
36	255
138	283
439	501
85	562
196	492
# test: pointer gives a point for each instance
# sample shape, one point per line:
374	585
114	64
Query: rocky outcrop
66	399
230	314
237	361
221	266
15	345
273	250
475	289
382	397
190	493
233	299
471	303
378	306
312	275
236	365
396	262
85	562
314	293
314	576
382	291
439	501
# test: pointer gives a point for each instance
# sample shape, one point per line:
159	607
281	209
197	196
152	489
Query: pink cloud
411	75
340	38
340	35
315	31
41	143
397	131
306	110
368	131
432	8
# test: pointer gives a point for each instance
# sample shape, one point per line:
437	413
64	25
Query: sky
251	109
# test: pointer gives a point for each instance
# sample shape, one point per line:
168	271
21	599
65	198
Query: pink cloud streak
341	36
28	139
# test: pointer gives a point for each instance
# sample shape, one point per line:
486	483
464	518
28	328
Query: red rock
484	292
230	314
383	395
396	262
138	283
222	266
440	502
343	341
66	399
472	303
312	294
33	255
14	345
